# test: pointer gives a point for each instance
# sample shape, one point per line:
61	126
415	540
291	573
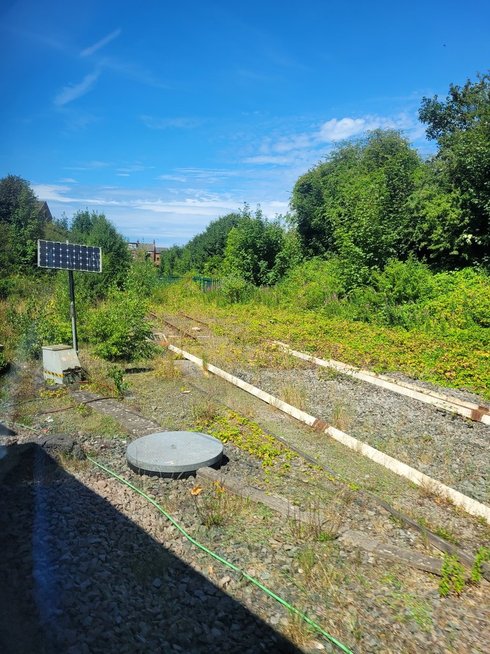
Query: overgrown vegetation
231	427
35	308
383	260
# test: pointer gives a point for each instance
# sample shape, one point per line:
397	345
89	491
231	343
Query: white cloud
100	44
338	130
141	213
268	159
132	168
199	175
57	193
132	71
172	178
50	192
74	91
89	165
168	123
306	147
191	206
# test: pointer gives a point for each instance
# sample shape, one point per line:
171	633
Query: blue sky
166	115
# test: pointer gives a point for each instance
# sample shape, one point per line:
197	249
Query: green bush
453	576
234	290
117	376
407	294
3	360
118	329
393	296
404	281
24	322
175	292
313	284
6	286
142	277
461	299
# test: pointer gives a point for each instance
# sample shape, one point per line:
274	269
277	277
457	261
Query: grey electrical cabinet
61	364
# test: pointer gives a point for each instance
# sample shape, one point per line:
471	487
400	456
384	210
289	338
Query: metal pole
73	312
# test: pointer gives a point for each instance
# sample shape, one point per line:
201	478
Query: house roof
146	247
43	209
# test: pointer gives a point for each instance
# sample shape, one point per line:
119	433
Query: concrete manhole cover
173	452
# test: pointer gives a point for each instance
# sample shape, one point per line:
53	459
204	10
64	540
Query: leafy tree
11	189
21	223
210	245
438	231
461	126
92	228
252	249
315	234
204	253
355	204
142	276
118	328
169	260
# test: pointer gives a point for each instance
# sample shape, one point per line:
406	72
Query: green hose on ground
228	564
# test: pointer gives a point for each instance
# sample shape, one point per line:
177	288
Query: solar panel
69	256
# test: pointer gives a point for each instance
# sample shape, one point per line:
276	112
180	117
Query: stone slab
171	452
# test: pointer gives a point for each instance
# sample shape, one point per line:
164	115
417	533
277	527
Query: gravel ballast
447	447
98	569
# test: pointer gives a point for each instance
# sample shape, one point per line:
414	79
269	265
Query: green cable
230	565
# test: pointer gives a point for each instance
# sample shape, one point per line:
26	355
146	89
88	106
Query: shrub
313	284
461	299
392	297
54	324
404	281
178	292
117	376
235	289
3	360
118	329
482	556
142	277
6	286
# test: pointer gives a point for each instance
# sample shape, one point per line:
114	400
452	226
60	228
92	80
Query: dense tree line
24	219
371	201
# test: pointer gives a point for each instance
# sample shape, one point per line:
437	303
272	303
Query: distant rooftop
146	247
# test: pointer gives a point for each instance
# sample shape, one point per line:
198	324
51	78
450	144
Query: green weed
482	556
231	427
215	506
117	376
453	577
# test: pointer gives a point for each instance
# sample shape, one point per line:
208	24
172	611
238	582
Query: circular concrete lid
172	452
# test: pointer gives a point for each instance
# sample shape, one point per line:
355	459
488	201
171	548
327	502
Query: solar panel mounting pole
70	257
73	312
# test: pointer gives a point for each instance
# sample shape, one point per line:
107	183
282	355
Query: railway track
439	543
385	527
451	404
471	410
434	399
461	500
178	326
